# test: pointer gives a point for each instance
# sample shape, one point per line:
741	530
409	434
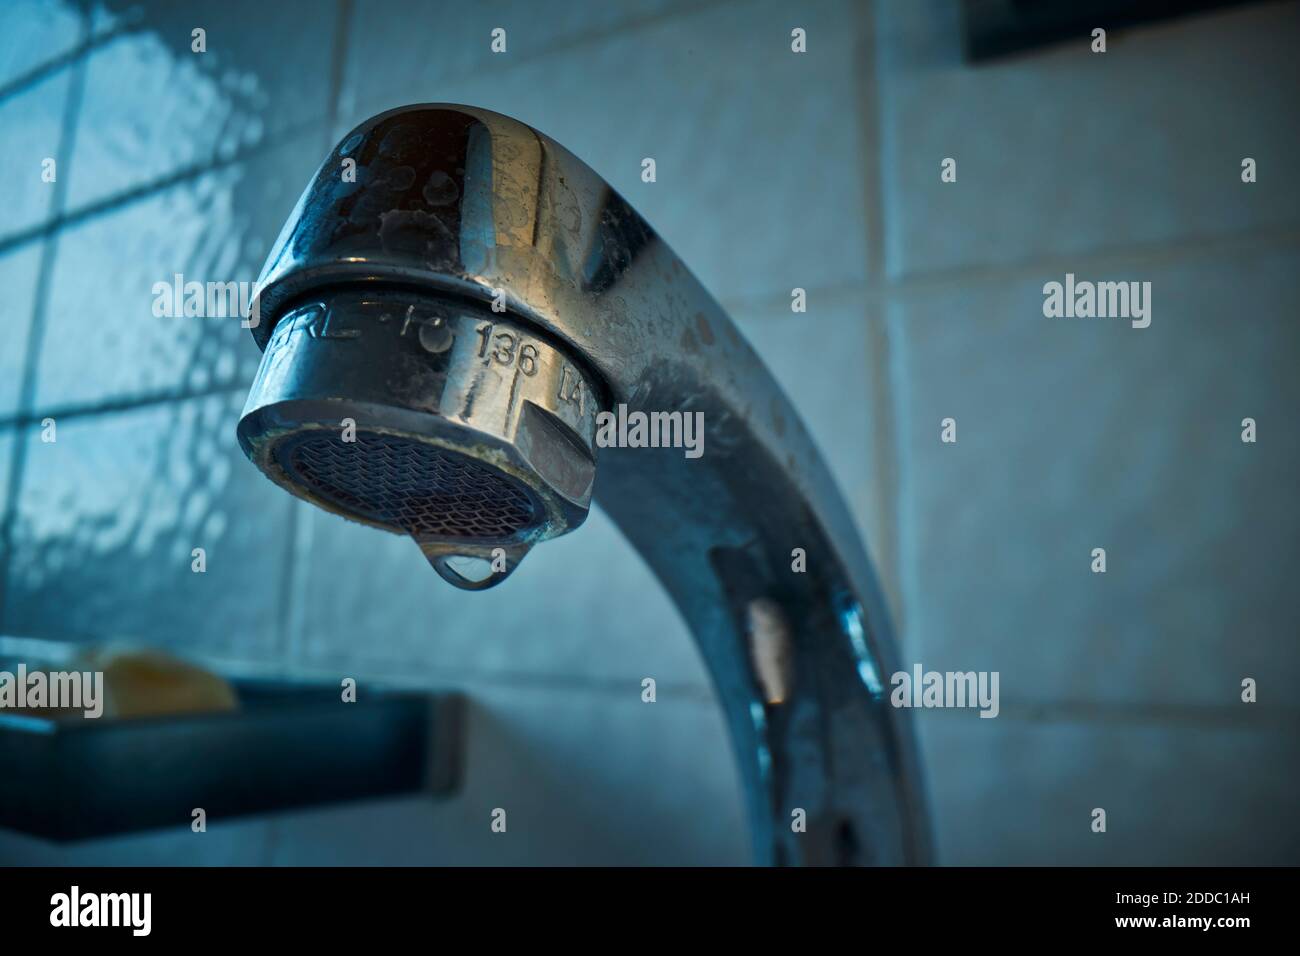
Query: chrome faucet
450	307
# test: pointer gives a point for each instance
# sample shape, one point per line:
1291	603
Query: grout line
894	375
1140	255
88	44
35	331
383	99
870	133
687	8
778	300
123	404
110	204
272	841
1129	713
893	454
338	61
298	528
299	537
884	480
398	673
394	673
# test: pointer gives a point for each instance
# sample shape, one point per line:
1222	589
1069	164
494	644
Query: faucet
454	310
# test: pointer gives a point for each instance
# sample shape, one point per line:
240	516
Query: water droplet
435	336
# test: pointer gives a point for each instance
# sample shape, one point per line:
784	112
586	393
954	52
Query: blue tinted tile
583	605
6	453
1009	792
108	17
395	47
1074	434
33	124
823	361
585	778
1061	151
109	514
152	106
102	341
760	183
18	271
34	33
237	843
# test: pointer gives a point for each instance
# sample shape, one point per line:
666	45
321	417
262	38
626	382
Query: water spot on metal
705	330
440	189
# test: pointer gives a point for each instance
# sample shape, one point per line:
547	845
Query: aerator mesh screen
409	485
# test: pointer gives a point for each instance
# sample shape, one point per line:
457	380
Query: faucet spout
472	298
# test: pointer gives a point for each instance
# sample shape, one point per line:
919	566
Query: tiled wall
775	170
